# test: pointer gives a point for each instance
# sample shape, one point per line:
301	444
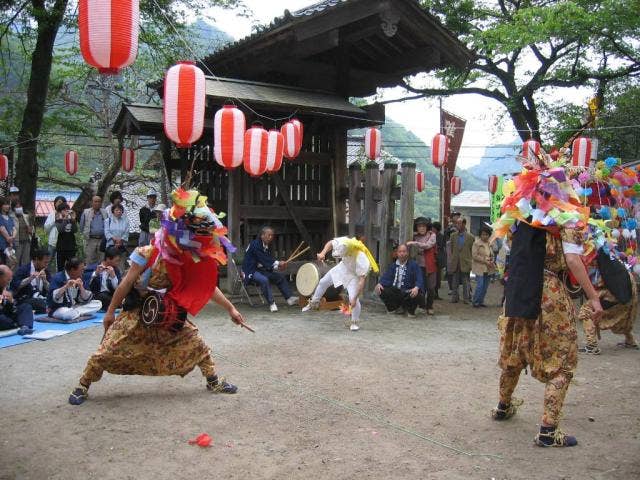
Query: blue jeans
264	279
482	284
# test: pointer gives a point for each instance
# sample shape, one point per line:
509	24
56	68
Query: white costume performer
355	263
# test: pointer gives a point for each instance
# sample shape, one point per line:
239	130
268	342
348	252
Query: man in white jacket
49	228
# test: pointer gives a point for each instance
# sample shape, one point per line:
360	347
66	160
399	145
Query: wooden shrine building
309	63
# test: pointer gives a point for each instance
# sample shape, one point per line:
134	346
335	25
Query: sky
419	116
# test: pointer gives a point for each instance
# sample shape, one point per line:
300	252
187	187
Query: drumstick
295	251
244	325
298	254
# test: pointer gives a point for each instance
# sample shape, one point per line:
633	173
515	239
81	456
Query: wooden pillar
387	182
355	211
340	178
371	177
233	219
407	194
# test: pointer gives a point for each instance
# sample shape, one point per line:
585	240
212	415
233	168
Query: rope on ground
363	413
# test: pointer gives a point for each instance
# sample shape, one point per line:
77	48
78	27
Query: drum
309	276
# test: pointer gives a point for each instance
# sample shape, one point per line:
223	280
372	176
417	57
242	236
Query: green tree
522	48
36	23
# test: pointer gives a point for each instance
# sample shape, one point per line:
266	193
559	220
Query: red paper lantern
255	150
554	153
4	167
439	150
128	159
292	136
420	181
581	152
275	149
456	185
530	148
298	124
372	143
71	162
108	33
229	126
184	101
493	184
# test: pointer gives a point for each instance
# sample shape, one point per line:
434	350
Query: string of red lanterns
456	185
128	159
372	143
256	140
71	162
4	167
439	150
420	181
581	152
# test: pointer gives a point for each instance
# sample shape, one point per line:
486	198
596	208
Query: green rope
376	418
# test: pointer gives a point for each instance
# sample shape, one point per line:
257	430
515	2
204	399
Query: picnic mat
81	318
40	327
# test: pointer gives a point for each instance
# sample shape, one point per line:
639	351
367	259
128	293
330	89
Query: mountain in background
405	146
497	160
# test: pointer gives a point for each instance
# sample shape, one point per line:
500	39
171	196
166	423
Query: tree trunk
524	120
27	165
84	199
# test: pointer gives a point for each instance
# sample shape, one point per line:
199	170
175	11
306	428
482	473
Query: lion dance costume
174	276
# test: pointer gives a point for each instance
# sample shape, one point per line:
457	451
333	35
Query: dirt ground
402	398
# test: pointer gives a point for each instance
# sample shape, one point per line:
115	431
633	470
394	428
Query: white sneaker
273	307
354	327
309	306
291	301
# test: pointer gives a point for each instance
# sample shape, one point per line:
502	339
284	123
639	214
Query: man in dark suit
68	299
11	314
30	284
260	267
401	287
103	278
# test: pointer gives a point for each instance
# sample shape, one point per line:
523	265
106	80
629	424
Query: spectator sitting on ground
401	286
68	299
11	314
30	283
103	278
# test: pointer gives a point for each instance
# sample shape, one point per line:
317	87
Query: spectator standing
425	242
461	243
146	215
401	286
451	229
31	281
116	199
482	265
49	228
25	232
441	257
154	223
92	228
116	232
67	227
8	230
68	298
103	278
11	314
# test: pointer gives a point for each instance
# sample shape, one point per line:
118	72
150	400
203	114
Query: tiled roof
45	207
472	199
317	7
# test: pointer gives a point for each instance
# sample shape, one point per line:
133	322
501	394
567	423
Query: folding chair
239	286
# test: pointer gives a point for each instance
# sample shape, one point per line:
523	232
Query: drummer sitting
401	287
261	268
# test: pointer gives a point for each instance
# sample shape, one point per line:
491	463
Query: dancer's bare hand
597	310
320	257
236	316
378	289
108	320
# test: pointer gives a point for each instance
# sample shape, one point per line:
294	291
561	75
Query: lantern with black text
420	181
456	185
71	162
184	101
128	158
439	150
229	126
493	184
372	143
255	150
292	137
108	33
581	152
530	148
4	167
275	147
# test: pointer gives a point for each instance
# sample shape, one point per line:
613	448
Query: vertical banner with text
453	127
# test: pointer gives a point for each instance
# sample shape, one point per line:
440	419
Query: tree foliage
523	48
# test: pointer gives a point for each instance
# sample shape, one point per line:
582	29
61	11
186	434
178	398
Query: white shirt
70	293
350	267
104	278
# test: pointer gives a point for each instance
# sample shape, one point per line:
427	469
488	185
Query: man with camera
12	315
68	298
103	278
